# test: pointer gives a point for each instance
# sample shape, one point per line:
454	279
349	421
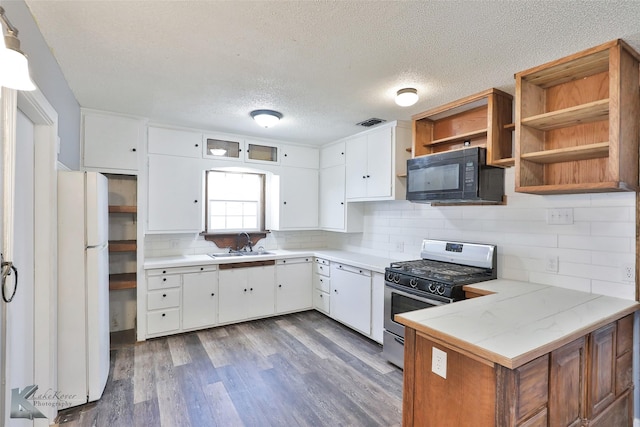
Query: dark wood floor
302	369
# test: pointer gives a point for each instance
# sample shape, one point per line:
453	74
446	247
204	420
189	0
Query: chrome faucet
248	242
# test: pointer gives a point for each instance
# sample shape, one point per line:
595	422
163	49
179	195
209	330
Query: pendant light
14	67
266	118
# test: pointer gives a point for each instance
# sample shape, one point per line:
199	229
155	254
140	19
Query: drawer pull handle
164	295
212	294
245	289
251	289
164	280
201	268
164	271
164	314
279	286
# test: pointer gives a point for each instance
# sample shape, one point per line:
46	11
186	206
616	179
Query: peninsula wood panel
567	384
602	369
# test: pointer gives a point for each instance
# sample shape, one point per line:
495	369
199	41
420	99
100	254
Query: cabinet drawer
163	282
352	269
163	299
321	268
322	283
163	321
321	301
287	261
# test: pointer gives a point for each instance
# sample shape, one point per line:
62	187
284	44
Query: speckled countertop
516	322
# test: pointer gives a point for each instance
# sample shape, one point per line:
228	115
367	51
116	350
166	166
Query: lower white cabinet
246	292
351	296
163	301
293	285
200	298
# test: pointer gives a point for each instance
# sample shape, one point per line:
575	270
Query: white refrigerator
83	286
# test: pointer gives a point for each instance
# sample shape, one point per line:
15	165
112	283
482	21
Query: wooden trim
228	240
409	374
248	264
459	103
637	244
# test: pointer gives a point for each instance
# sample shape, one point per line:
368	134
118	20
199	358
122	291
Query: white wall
592	251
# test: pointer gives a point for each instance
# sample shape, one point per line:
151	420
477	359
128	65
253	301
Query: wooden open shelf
123	245
479	120
577	123
569	154
122	281
122	209
583	113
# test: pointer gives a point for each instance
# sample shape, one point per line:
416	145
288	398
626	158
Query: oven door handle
399	340
402	290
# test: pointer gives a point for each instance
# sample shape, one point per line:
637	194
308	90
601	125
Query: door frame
37	108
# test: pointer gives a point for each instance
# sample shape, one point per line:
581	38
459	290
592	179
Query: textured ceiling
324	65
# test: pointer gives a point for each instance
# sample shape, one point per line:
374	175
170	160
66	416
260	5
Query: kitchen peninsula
520	355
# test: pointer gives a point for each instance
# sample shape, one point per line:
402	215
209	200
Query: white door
20	312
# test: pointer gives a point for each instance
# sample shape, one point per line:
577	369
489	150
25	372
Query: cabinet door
356	167
293	285
233	295
175	191
199	299
567	384
332	201
261	152
298	204
111	142
602	369
351	297
261	283
175	142
223	147
299	157
332	155
379	160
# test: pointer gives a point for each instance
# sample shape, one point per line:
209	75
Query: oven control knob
432	287
413	282
390	276
440	289
396	278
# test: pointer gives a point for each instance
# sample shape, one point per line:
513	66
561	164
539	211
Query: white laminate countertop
373	263
516	322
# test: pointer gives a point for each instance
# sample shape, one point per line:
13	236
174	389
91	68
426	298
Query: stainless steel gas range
435	279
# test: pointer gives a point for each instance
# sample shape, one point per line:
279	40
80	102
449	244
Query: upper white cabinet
332	155
261	152
223	147
335	213
294	199
175	194
175	142
374	159
300	157
111	141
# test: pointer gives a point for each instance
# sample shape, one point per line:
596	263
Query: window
235	201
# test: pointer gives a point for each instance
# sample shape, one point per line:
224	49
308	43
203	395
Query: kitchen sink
252	253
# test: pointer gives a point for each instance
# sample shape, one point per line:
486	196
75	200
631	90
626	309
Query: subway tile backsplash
591	251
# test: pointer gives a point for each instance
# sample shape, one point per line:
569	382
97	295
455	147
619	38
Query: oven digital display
454	247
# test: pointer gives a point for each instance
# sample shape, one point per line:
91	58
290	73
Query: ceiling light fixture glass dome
407	97
266	118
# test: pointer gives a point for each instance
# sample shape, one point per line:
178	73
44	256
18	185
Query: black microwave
459	176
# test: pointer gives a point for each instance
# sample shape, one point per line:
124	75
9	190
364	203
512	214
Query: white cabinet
200	298
322	285
293	284
163	301
374	159
174	142
295	199
351	296
332	154
111	142
245	292
335	213
299	157
261	152
175	194
377	306
223	147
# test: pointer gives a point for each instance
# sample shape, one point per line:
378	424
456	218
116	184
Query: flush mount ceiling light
14	68
266	118
407	97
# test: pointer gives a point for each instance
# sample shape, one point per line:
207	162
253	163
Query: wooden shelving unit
123	209
123	245
577	123
122	281
481	120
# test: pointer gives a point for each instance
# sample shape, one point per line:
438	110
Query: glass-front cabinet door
261	152
223	147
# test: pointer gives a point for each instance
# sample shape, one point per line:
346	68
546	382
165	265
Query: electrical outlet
439	362
629	273
399	246
562	216
551	264
174	244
